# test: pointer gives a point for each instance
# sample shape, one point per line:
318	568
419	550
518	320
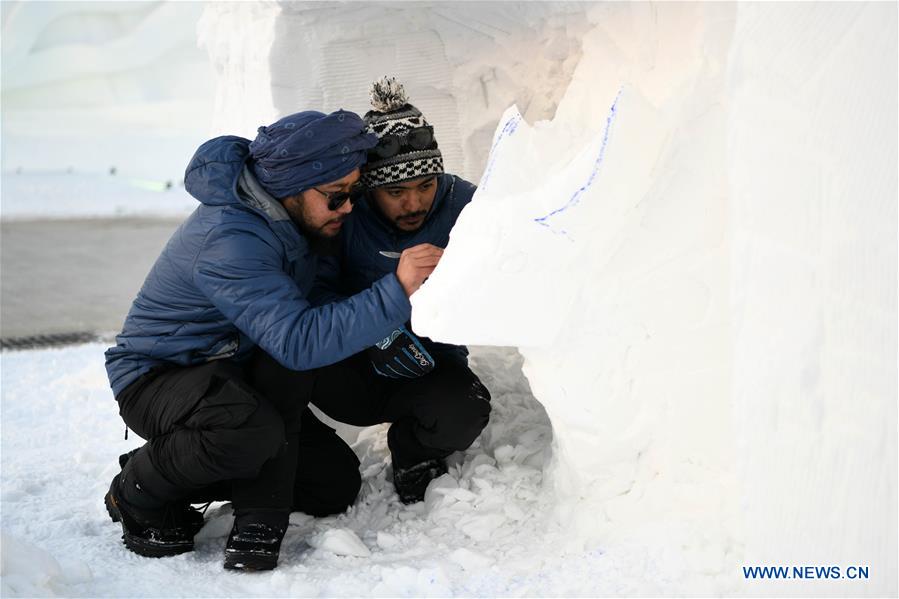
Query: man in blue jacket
222	350
435	404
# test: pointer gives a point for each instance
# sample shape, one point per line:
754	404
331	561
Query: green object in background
150	185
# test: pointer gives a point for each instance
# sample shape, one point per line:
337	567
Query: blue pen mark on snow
576	196
508	129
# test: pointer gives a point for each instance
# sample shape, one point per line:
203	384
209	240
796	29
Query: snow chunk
218	524
29	571
480	526
387	540
470	560
438	490
340	541
482	459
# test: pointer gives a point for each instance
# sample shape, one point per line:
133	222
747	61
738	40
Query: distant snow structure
76	54
463	63
88	83
666	320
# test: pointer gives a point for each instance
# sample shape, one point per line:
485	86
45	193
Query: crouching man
434	402
222	350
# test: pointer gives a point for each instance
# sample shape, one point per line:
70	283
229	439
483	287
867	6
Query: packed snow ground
482	531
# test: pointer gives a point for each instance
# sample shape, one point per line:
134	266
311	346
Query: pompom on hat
392	114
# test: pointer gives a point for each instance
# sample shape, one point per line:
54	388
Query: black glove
401	355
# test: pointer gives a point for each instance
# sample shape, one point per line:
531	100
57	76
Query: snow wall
697	259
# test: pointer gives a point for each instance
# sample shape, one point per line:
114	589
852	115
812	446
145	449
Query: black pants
433	416
243	432
326	478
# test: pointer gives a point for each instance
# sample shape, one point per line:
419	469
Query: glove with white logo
401	355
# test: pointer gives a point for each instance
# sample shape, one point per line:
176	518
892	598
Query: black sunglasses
388	146
336	199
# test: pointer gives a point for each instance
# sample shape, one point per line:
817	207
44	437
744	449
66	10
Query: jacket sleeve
326	288
242	275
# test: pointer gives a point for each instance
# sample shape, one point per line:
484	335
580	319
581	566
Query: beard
320	240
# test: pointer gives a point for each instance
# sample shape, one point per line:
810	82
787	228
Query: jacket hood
218	175
212	174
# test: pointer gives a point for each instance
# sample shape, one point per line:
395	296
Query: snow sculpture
637	248
596	245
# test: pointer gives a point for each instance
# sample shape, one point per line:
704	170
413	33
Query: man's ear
294	200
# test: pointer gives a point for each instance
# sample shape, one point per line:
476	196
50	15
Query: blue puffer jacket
236	274
366	233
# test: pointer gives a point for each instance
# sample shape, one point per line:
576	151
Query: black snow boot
149	528
412	482
255	539
183	511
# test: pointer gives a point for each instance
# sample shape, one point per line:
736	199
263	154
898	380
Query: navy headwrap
308	148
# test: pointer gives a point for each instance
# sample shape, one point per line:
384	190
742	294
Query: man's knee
461	416
240	429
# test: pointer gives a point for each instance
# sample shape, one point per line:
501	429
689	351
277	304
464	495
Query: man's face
309	209
406	204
